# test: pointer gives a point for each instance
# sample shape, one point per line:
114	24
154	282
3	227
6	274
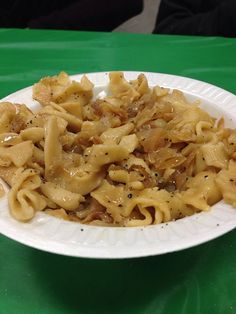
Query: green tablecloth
197	280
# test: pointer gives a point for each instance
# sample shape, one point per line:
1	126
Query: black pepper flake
217	225
130	195
85	155
206	176
203	158
106	153
162	227
81	229
231	180
119	205
156	174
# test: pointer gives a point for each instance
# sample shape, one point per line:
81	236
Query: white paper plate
69	238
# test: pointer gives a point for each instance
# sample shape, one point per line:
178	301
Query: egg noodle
136	157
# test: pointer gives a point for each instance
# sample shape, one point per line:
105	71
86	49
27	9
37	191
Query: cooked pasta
141	155
2	191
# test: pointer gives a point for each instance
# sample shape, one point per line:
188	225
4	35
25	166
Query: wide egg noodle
52	148
203	191
61	197
114	135
17	154
23	198
225	181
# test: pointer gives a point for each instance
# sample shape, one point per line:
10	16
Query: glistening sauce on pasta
139	156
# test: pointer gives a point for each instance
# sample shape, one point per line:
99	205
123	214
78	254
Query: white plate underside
69	238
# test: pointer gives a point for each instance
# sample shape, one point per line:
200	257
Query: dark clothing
197	17
99	15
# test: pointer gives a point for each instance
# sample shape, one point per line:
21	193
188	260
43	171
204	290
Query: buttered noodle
139	156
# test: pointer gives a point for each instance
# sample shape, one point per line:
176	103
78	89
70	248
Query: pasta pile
137	157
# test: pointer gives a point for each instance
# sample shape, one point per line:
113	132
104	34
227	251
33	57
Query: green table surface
197	280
